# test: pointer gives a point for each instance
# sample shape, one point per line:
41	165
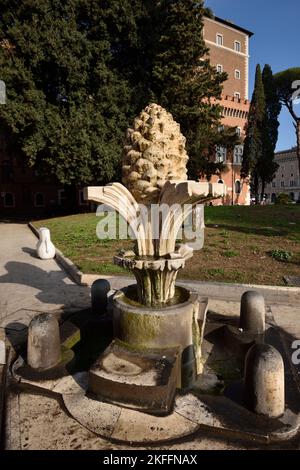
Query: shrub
282	198
281	255
230	253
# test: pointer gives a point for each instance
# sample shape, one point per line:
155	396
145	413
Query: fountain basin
179	325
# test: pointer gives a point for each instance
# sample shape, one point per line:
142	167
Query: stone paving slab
12	438
191	413
144	428
287	317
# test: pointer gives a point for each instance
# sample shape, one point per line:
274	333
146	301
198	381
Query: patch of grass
236	276
230	253
237	244
224	234
216	272
281	255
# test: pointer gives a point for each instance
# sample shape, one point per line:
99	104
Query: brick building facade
25	193
229	52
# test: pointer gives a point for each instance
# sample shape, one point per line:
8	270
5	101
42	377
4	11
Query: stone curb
66	263
219	290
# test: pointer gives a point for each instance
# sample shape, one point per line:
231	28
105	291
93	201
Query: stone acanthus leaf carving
155	201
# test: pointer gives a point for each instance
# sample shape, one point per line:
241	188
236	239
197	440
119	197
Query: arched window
273	198
220	182
39	200
237	187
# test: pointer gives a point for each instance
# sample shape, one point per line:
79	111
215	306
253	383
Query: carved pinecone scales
153	154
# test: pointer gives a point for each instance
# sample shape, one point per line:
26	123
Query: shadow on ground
54	286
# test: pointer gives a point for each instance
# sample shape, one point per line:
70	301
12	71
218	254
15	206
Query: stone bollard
43	347
264	381
253	312
99	291
45	248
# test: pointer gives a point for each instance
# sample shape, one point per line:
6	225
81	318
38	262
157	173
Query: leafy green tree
288	84
78	71
255	136
267	167
67	105
176	72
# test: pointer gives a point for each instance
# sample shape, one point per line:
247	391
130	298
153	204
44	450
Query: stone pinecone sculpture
153	154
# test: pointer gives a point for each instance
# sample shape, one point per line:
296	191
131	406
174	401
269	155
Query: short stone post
99	291
253	312
43	347
264	381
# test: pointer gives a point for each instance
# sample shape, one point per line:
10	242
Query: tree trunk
263	185
298	146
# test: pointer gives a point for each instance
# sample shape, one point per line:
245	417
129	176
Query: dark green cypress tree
267	166
255	135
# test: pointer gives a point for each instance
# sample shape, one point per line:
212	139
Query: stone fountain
138	366
158	327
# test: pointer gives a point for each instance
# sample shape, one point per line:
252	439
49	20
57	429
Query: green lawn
238	244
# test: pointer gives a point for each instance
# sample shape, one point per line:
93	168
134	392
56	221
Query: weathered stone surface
135	379
253	312
264	381
139	427
43	348
208	383
2	353
99	291
154	153
69	334
180	325
101	418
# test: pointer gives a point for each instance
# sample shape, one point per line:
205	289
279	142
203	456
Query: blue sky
276	41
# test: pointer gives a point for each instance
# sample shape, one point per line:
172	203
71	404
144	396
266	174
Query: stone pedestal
163	342
179	325
145	381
